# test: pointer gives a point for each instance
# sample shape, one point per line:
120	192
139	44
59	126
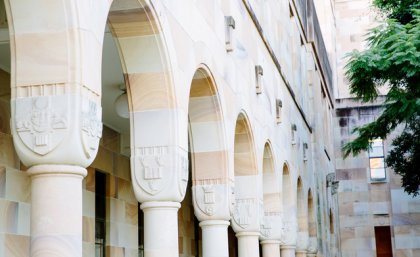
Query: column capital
54	169
247	233
160	205
207	223
277	242
287	246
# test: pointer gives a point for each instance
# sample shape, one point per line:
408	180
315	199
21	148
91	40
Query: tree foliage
392	59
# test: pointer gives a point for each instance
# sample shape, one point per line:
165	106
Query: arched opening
208	163
312	226
271	184
246	173
271	227
288	198
135	85
302	218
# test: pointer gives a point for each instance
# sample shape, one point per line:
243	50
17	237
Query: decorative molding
259	72
41	122
230	26
279	107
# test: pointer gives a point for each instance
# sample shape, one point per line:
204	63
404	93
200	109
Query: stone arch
248	193
144	49
271	227
144	54
289	218
312	225
288	195
245	156
209	154
271	182
302	217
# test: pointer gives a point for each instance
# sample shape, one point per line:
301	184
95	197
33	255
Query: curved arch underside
207	141
245	164
271	183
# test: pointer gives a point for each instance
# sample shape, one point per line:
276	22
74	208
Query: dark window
100	213
233	243
383	241
140	223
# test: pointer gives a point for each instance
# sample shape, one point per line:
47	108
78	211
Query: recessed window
100	213
377	161
140	223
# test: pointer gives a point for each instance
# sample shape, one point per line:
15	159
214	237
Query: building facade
167	128
377	218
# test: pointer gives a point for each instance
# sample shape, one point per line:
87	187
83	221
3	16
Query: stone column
271	248
56	210
56	111
248	244
287	250
301	253
160	228
215	238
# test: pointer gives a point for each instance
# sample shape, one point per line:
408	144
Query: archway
248	193
302	219
312	225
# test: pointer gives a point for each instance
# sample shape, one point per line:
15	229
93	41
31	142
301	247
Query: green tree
392	59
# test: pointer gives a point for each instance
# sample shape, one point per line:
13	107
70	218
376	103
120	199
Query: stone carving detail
91	127
42	122
265	227
313	245
152	160
242	214
289	231
184	173
209	199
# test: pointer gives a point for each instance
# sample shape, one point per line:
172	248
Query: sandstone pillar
301	253
287	250
270	248
160	228
215	238
56	210
248	244
56	111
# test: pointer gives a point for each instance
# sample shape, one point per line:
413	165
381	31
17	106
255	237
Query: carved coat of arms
42	122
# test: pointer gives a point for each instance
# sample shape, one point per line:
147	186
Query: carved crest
151	163
242	214
183	158
265	227
289	231
42	122
205	198
91	127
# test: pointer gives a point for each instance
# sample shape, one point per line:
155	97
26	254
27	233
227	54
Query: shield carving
206	198
91	126
41	122
151	166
